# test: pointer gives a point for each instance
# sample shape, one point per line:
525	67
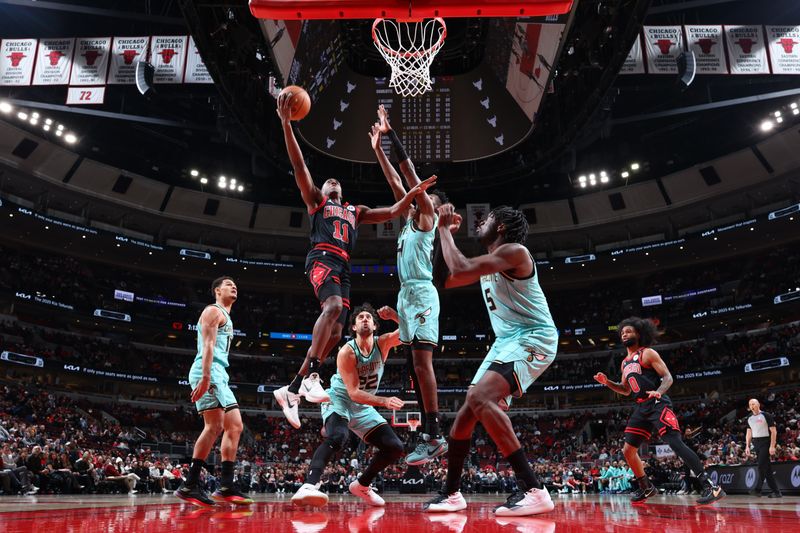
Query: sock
526	479
705	480
226	479
313	365
194	472
455	464
321	457
432	424
294	386
644	482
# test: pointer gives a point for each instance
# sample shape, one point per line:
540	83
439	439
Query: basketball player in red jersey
646	376
334	227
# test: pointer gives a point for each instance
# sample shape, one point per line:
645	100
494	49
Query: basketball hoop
409	48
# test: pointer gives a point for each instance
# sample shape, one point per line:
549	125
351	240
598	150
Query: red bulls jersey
333	227
640	378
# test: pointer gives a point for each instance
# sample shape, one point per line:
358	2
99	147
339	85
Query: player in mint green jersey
214	399
525	345
418	300
353	392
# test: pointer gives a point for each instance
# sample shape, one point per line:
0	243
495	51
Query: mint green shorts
418	311
362	419
219	394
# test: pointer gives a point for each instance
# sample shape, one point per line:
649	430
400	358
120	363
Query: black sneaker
231	495
775	495
711	494
640	494
194	495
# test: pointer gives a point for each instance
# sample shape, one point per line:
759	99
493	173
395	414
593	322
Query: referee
763	433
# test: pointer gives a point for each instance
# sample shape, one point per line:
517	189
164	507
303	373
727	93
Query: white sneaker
366	493
444	503
534	501
288	402
526	524
310	495
455	522
311	389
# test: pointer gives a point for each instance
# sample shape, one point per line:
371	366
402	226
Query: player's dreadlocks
647	330
514	221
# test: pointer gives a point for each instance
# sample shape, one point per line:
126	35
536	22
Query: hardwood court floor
275	514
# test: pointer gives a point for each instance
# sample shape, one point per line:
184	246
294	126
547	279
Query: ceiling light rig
223	182
35	119
787	114
604	177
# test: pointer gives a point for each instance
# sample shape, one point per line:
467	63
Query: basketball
301	102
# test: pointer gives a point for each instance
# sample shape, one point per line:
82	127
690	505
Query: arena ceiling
593	120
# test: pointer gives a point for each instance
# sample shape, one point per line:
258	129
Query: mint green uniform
219	393
521	320
362	419
418	301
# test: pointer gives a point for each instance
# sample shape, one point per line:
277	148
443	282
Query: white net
409	48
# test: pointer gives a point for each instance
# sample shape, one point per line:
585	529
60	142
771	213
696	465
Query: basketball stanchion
410	419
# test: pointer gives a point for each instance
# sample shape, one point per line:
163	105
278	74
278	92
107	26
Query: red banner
16	61
784	49
53	61
126	52
169	57
747	49
634	63
709	48
90	61
664	44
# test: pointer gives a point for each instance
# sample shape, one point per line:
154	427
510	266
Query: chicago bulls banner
53	62
16	61
664	44
784	49
196	71
709	48
126	52
747	49
634	63
168	57
90	61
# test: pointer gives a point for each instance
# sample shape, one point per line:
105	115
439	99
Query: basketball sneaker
640	494
533	501
367	494
711	494
365	521
230	495
526	524
310	495
194	495
309	522
455	522
311	389
427	450
288	402
445	503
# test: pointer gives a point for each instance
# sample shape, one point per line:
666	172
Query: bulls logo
91	56
669	419
16	58
750	478
55	56
128	56
664	45
788	44
705	45
795	477
421	316
746	45
318	275
166	55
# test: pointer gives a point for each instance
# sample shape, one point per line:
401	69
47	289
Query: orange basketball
300	101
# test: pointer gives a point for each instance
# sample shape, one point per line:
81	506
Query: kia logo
750	479
796	476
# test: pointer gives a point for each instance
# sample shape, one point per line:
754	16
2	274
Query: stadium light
793	105
796	111
767	125
233	186
777	114
582	179
634	166
194	173
5	107
59	133
22	115
70	138
240	188
203	180
221	184
779	120
625	174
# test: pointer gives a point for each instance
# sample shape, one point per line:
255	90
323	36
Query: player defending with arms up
418	300
360	366
334	227
646	376
525	345
214	399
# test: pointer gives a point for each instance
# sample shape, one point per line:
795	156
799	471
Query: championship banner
784	49
747	50
634	63
664	44
16	61
90	61
709	48
476	213
196	71
389	229
53	61
168	56
126	52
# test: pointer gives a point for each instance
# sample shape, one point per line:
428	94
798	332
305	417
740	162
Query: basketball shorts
219	394
329	275
652	416
418	311
361	419
520	359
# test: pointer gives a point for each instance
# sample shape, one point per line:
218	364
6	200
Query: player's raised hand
447	214
383	120
601	378
654	394
284	107
423	186
201	388
393	403
455	222
375	136
387	313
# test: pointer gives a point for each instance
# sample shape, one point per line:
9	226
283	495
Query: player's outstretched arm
620	388
346	365
210	320
387	341
369	215
312	195
651	358
392	177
